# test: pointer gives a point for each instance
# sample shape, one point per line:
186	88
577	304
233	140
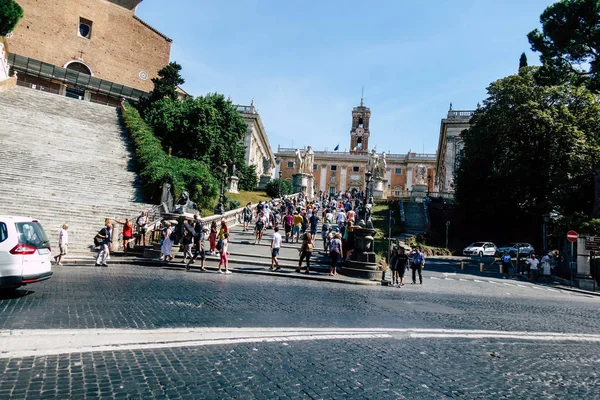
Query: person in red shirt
288	222
127	233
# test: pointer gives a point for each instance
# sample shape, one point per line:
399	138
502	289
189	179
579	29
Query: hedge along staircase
65	161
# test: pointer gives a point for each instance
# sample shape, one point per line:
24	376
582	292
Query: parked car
480	249
25	252
524	249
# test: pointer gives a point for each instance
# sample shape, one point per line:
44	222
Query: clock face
360	131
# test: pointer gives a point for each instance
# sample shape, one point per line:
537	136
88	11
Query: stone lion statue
184	204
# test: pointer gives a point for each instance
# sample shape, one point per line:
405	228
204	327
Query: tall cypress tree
523	61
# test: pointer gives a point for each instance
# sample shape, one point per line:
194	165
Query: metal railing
44	70
245	109
37	87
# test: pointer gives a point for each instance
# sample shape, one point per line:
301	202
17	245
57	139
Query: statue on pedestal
267	167
372	162
421	174
308	161
299	164
381	168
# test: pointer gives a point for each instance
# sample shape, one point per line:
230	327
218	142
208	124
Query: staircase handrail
154	215
4	66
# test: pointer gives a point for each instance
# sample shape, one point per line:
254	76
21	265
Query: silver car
524	249
480	249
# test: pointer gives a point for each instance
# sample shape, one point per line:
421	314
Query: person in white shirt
63	242
275	246
341	217
533	267
547	264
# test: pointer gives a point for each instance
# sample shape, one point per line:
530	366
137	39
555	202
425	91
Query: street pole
447	229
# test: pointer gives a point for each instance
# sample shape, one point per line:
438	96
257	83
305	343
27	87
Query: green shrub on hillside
158	167
10	14
279	186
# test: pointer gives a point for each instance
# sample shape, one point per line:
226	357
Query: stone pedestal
362	262
303	183
379	188
419	192
233	184
262	183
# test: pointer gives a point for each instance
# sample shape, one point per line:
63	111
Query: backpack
98	240
220	245
173	235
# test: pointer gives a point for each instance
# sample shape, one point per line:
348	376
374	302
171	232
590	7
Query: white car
480	249
24	252
525	249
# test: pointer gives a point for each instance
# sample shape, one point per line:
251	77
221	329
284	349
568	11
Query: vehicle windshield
32	233
477	244
509	245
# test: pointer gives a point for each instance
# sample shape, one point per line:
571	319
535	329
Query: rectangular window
3	232
314	167
290	164
85	28
334	167
355	169
398	171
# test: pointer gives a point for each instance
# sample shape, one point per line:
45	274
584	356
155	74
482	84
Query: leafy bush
278	186
248	177
10	14
158	167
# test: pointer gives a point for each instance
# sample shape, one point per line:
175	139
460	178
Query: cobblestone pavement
392	367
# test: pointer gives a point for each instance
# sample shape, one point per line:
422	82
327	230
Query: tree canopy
531	150
10	14
569	41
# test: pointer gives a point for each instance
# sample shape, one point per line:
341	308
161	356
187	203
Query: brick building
336	171
91	49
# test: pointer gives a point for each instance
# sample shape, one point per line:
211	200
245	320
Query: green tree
569	41
523	60
165	87
531	150
248	177
10	14
278	187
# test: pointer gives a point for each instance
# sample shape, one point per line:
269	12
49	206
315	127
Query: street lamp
279	185
369	176
220	209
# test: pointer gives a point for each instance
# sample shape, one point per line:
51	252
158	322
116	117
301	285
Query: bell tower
359	134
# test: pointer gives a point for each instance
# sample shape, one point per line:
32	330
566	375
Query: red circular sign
572	236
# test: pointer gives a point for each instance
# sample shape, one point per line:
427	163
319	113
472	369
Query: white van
24	252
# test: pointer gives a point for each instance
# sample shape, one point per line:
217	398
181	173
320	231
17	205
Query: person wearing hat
547	264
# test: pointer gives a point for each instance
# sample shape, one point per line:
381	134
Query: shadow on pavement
9	294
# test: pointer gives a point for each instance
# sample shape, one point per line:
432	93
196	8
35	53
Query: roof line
147	25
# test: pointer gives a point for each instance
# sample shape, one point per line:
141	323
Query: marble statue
421	174
267	167
308	161
299	164
372	162
381	167
185	205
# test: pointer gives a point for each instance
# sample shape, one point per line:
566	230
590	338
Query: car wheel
480	254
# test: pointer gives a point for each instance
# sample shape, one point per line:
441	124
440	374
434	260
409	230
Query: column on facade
409	178
343	178
323	179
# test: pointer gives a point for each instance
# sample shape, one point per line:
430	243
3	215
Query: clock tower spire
359	134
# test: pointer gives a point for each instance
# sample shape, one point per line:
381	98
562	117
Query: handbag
220	245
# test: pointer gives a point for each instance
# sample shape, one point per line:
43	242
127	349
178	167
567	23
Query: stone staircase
65	161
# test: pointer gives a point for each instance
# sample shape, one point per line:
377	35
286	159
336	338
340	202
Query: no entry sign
572	236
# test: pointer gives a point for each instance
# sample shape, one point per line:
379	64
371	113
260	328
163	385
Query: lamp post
428	184
369	176
279	185
220	209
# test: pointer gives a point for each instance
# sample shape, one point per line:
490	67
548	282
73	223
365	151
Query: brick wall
119	48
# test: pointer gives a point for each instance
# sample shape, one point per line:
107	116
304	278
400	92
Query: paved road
138	332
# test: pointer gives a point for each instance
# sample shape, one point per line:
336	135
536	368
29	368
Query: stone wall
119	48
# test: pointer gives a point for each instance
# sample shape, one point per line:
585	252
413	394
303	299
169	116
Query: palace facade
335	171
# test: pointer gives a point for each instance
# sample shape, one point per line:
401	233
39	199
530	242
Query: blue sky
304	63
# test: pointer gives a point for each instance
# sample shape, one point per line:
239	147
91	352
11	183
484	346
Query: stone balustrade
460	114
4	66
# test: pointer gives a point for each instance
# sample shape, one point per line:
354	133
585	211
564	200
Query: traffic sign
592	243
572	236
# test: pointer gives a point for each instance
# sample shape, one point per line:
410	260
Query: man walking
199	236
418	260
506	264
275	246
106	235
142	225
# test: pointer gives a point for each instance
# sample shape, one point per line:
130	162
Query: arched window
79	67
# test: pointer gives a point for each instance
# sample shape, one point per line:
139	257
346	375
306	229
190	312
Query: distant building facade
102	39
450	147
336	171
258	149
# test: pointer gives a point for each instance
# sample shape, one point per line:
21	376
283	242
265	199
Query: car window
476	244
33	234
3	232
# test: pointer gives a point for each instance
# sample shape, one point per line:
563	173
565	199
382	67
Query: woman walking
305	251
212	237
247	215
63	242
335	250
224	261
167	245
261	222
127	233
